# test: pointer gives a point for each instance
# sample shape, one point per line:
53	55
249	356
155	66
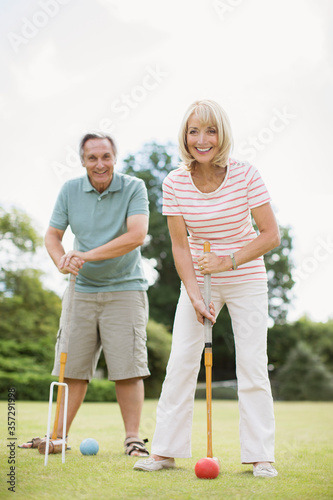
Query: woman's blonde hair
209	113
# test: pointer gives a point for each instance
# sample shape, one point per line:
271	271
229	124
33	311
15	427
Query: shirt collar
114	186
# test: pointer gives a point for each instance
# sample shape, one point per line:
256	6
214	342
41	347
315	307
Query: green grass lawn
304	437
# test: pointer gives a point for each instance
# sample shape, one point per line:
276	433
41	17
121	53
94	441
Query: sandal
136	447
31	444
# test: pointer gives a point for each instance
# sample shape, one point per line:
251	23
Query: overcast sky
131	68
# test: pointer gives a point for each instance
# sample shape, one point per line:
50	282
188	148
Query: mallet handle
63	360
207	298
208	367
208	357
63	355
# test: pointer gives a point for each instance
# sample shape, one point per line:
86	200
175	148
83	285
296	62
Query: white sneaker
150	464
261	470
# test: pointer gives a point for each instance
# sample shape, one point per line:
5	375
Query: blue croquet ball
89	447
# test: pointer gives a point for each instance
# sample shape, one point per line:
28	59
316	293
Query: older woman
211	197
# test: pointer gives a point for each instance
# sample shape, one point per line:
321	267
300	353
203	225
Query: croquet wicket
63	440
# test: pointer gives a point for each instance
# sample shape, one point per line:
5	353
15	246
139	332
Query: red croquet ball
207	468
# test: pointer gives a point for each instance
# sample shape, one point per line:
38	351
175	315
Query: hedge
35	387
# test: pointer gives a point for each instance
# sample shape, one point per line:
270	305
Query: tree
304	377
18	238
16	230
27	310
279	272
152	164
29	314
284	337
29	318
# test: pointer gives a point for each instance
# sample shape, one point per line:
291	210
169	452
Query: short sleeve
138	203
170	203
257	193
59	218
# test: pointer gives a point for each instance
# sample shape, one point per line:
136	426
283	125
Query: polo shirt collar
114	186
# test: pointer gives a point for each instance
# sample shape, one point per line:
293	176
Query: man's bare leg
130	397
76	393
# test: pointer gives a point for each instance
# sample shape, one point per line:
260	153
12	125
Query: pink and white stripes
221	217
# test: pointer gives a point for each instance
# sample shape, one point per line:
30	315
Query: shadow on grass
245	473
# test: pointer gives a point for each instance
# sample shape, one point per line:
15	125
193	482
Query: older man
108	213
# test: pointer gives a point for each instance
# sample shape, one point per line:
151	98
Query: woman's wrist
226	263
194	293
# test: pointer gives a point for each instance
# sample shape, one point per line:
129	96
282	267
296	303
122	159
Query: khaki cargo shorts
113	321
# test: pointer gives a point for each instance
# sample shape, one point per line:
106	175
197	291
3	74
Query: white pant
247	305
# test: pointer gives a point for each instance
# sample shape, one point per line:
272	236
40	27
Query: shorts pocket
140	347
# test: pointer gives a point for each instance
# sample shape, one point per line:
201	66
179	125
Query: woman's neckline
215	190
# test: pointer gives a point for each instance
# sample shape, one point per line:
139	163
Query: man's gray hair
89	136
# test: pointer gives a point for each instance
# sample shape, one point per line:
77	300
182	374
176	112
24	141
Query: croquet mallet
208	357
45	448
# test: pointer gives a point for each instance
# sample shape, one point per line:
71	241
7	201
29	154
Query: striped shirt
221	217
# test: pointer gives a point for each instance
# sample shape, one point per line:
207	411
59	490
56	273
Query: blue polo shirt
97	218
